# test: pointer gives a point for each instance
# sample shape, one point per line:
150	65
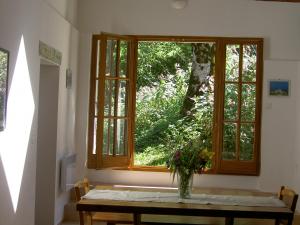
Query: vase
185	184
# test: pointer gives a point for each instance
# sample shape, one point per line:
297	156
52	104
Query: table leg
290	222
136	219
81	218
229	220
89	218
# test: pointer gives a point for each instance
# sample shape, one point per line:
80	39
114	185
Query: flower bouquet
186	161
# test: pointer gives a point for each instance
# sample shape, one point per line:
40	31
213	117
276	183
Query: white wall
33	20
66	9
46	145
19	18
296	154
277	23
279	130
59	33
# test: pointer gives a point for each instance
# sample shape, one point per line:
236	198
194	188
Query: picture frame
279	88
4	70
68	78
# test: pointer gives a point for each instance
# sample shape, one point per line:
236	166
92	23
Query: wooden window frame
220	166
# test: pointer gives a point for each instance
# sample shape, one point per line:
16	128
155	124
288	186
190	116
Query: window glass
111	58
248	102
229	141
249	62
231	102
246	142
232	62
109	106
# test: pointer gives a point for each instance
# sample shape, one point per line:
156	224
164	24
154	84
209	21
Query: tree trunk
203	64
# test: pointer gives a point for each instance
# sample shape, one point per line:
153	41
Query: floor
220	222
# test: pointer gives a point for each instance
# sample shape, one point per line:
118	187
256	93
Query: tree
202	71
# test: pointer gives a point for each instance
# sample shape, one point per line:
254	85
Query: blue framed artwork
279	88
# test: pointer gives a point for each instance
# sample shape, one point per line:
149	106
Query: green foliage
160	128
156	109
163	74
152	156
156	60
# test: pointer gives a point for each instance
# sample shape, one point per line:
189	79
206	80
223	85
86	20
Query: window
218	82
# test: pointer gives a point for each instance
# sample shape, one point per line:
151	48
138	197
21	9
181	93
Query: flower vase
185	184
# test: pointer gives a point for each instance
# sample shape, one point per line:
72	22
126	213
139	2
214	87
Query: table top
188	209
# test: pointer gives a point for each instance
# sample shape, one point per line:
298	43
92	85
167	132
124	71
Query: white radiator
67	167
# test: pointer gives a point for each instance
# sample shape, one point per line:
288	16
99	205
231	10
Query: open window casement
241	107
110	113
237	99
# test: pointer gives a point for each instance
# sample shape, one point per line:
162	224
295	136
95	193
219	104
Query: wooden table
184	209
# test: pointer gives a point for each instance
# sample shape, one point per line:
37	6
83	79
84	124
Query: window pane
98	59
248	102
121	137
232	62
123	58
122	99
229	141
231	102
108	137
105	137
246	141
111	136
95	136
249	62
111	58
109	103
96	98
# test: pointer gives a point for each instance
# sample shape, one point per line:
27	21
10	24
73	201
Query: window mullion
93	81
219	103
132	75
116	97
100	123
238	135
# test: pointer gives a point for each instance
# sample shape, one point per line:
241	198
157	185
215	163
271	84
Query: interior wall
296	154
60	34
82	104
277	23
279	128
46	145
66	8
19	19
32	21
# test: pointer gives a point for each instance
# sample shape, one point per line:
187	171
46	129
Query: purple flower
177	155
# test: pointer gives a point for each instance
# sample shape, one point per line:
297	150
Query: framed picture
4	62
279	88
68	78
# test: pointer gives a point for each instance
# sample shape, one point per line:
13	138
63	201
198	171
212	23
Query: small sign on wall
50	53
279	88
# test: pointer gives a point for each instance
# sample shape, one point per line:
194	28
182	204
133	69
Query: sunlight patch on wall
14	140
